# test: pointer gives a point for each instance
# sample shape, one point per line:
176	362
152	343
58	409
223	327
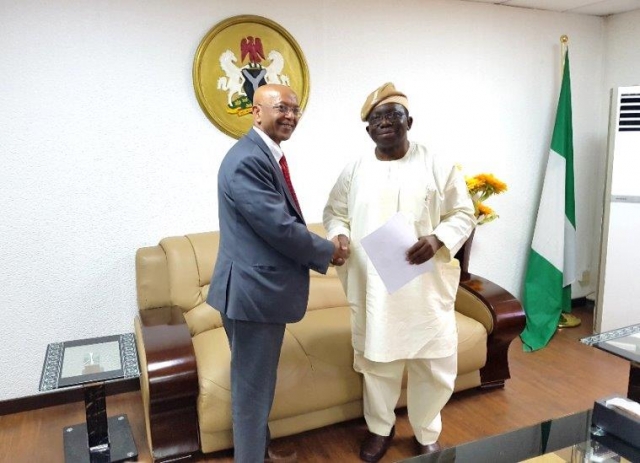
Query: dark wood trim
633	390
63	396
173	383
463	255
508	322
581	302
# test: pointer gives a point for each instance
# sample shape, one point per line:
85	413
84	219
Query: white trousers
430	384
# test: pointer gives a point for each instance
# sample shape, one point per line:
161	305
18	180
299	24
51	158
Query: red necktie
287	178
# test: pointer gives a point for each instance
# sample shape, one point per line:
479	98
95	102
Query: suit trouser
255	352
430	384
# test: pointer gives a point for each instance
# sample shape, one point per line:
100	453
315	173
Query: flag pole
567	320
564	44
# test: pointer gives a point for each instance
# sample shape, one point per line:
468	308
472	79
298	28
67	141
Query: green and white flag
551	266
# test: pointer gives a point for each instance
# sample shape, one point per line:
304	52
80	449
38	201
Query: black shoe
430	448
374	446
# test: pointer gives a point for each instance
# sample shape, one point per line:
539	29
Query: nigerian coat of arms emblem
235	58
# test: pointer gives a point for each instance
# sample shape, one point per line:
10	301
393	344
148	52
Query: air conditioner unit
618	293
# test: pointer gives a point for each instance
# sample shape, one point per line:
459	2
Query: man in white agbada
415	326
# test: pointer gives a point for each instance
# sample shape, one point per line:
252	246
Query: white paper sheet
387	247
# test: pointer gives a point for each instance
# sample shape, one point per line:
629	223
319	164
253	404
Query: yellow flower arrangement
481	187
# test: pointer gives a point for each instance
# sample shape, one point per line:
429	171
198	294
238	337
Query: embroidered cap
384	94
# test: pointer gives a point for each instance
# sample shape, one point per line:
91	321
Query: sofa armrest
169	382
508	321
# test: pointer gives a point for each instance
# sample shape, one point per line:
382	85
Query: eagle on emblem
253	48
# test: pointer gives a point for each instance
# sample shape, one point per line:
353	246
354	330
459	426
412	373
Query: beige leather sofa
184	354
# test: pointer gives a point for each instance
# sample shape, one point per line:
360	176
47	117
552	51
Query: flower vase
463	255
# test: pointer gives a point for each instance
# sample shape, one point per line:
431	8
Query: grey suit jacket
266	251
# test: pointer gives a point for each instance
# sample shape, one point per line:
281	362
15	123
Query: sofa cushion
184	281
213	359
315	370
326	291
202	318
325	338
295	389
190	260
472	344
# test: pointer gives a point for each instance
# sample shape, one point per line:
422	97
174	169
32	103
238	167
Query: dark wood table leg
634	382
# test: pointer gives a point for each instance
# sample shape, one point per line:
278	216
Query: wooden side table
90	363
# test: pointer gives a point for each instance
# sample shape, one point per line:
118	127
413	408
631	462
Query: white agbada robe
418	320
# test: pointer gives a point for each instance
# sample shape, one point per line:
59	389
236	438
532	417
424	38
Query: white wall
104	148
621	53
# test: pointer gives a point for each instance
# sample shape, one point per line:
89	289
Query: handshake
341	250
423	250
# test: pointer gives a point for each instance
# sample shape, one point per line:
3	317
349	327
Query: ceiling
589	7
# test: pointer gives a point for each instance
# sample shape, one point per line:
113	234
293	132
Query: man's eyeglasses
285	110
391	116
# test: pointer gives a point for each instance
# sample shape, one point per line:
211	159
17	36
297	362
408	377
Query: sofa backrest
178	270
325	291
176	273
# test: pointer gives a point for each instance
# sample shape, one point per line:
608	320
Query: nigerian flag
551	266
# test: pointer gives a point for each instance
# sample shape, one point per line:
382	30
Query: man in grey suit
261	277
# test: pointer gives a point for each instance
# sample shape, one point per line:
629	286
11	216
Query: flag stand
567	320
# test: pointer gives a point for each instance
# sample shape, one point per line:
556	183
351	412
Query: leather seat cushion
296	389
472	344
325	337
315	370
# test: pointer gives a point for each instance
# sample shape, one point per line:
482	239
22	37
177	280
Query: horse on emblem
274	69
234	80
